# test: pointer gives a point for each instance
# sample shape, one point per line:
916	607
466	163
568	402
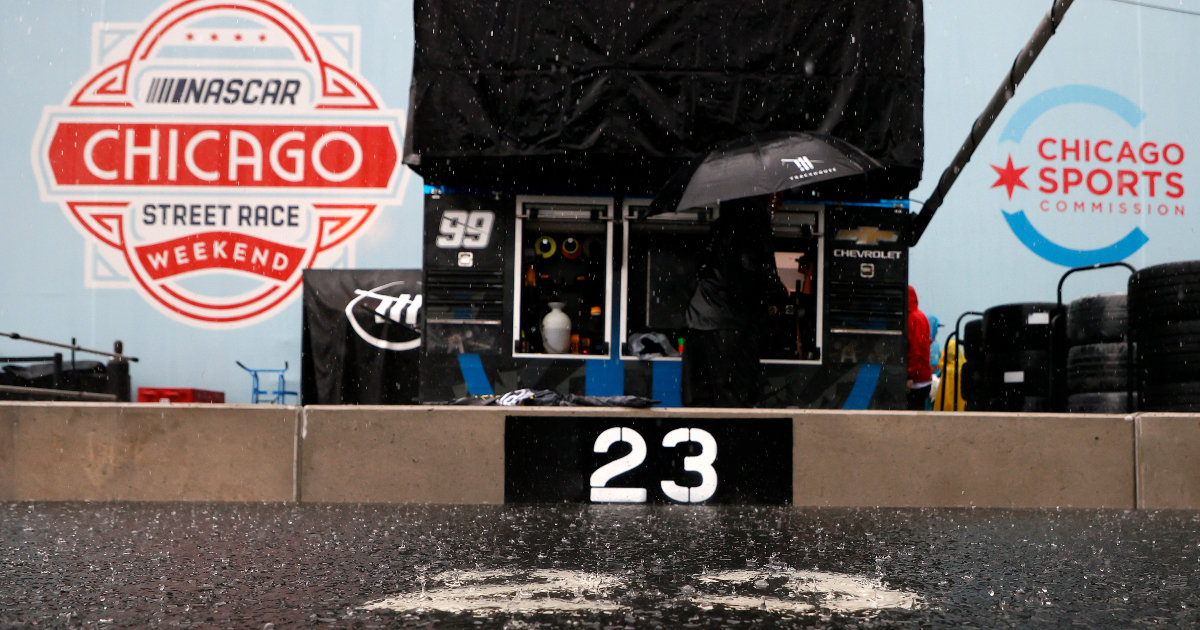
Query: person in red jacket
920	374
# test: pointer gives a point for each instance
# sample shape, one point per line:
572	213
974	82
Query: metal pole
1004	93
1130	346
946	370
958	347
56	393
71	347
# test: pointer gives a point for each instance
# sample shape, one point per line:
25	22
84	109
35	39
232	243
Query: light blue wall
969	258
44	54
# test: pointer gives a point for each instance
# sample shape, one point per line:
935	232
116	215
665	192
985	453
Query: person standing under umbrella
737	281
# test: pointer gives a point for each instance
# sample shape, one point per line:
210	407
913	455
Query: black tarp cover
616	94
341	366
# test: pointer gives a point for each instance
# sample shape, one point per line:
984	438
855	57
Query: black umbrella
761	164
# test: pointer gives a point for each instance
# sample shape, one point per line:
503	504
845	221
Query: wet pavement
591	567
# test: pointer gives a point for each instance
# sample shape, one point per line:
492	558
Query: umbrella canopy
761	164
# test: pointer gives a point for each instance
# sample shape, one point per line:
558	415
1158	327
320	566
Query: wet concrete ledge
147	452
160	452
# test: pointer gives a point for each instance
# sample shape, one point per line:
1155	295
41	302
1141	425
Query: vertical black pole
118	374
58	369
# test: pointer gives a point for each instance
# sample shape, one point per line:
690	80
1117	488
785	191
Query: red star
238	37
1010	177
190	37
262	38
214	37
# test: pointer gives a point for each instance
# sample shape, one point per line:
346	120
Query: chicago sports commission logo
215	152
1106	183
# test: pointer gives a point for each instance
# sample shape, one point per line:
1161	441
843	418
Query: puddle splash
509	591
795	590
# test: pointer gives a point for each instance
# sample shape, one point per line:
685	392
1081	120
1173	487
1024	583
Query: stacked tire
1164	303
1098	369
1018	366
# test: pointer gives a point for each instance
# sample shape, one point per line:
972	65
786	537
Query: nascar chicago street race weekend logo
215	152
1109	185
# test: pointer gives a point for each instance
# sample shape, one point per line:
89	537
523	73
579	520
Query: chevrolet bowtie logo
867	235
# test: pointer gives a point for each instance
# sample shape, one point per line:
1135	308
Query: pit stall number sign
550	459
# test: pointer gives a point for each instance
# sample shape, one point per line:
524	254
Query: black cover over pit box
616	95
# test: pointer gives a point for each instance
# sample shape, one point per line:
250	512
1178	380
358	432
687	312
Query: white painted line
838	592
573	591
539	591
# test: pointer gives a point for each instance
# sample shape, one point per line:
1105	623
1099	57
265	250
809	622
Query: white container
556	330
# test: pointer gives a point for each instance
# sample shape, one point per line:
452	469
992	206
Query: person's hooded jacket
738	278
919	370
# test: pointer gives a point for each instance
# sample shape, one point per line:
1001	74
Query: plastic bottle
596	322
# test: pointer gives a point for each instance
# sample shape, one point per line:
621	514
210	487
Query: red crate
179	395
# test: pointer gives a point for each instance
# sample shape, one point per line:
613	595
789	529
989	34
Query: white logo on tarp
400	309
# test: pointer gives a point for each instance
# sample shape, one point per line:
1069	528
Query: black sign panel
865	246
466	232
551	459
360	336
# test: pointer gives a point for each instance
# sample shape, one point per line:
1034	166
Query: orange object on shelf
178	395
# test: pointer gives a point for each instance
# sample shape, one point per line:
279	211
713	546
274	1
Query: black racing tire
1164	294
1098	367
973	382
1018	373
1100	402
1020	404
1035	404
1170	353
972	340
1097	319
1017	327
1171	397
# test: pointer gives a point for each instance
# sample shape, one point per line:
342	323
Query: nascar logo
227	140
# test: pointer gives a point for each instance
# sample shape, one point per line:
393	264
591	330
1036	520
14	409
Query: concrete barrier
915	459
96	451
433	454
1168	461
155	452
402	455
894	459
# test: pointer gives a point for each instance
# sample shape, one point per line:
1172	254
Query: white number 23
701	463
